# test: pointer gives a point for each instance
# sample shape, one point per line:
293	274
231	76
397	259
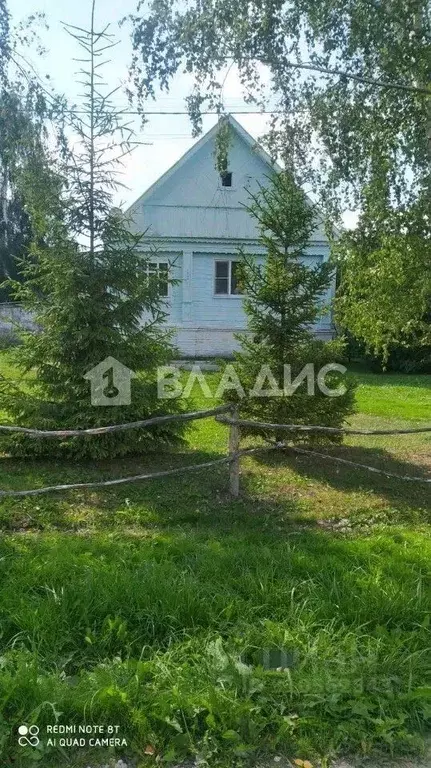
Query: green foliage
365	132
415	358
87	287
141	604
385	291
14	239
8	340
24	114
349	86
222	142
4	39
283	300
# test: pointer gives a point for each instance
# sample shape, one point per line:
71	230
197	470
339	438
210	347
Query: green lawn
407	396
152	606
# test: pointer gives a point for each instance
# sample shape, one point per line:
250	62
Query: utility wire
184	112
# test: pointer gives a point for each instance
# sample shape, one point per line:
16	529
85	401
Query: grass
407	396
153	606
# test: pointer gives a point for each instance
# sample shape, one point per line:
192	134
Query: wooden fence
233	459
235	424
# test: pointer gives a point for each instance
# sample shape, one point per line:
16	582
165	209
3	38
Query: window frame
221	187
229	295
156	263
228	174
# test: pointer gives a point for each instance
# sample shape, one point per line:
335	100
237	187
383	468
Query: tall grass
165	635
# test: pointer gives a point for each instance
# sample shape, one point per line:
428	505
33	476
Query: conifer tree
283	299
88	286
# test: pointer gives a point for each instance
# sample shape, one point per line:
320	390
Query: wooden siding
192	203
192	302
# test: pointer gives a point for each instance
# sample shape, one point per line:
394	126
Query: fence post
234	443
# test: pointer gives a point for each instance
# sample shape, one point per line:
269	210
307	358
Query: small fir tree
283	299
88	287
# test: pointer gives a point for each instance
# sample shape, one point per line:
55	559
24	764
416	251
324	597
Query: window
226	179
159	270
226	278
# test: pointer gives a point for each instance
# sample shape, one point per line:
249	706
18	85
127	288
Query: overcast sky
168	136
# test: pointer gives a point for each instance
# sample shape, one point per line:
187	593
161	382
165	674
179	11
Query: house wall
205	324
201	343
12	317
191	220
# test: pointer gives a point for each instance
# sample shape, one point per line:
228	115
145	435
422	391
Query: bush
27	410
300	407
8	340
415	358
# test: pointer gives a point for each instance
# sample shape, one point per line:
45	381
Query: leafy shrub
413	358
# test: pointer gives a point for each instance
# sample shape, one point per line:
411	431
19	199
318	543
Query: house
195	222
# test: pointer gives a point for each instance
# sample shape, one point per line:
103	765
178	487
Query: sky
165	137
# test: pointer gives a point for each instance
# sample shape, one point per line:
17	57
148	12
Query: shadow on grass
352	614
193	498
165	559
342	477
200	498
61	508
169	587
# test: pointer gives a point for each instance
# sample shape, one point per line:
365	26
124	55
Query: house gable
190	202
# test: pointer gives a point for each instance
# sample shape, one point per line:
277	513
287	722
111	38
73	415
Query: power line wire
184	112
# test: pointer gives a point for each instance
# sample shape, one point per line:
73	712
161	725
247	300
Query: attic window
226	179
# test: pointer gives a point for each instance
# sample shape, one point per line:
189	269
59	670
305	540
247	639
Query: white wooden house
196	221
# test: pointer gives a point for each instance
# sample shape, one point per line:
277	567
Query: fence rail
232	459
311	428
236	423
192	416
376	470
147	476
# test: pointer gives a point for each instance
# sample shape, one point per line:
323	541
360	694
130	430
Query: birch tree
348	88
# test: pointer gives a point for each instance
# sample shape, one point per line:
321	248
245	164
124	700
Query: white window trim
225	295
157	262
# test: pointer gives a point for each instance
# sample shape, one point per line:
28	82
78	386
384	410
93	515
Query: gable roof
252	145
239	130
